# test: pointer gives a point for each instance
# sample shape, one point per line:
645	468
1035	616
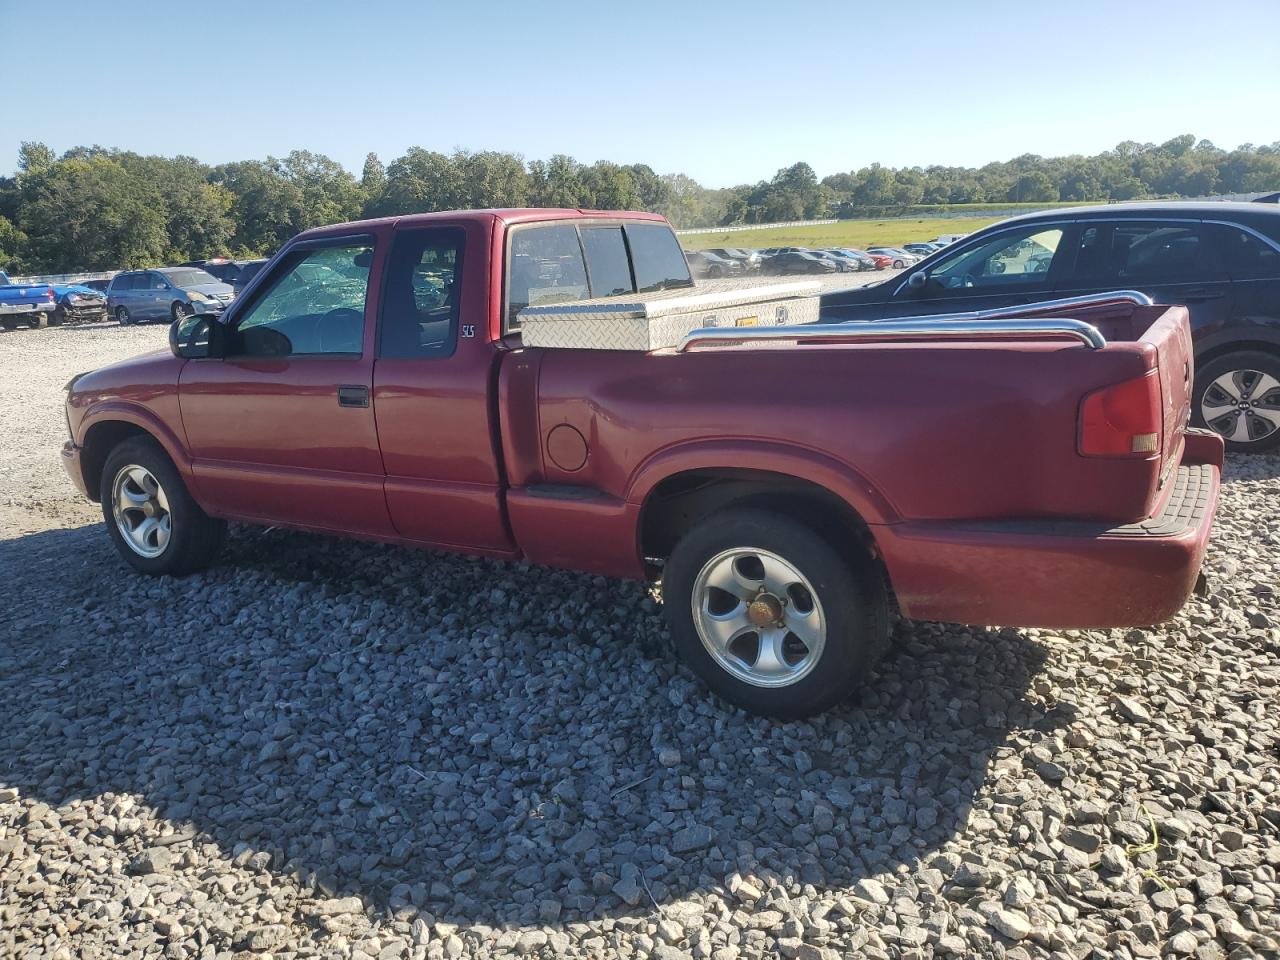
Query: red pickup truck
786	484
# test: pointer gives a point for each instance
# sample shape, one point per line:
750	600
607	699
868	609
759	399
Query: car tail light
49	294
1122	420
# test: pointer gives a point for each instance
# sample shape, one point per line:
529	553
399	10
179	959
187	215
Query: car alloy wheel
758	617
122	317
141	510
1242	405
182	311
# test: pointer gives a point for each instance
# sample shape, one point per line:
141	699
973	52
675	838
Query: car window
607	266
1245	255
656	257
420	301
314	304
1010	259
154	281
546	266
1129	252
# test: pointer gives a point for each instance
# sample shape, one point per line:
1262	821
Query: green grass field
843	233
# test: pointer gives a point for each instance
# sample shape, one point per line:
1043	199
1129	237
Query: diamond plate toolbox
660	320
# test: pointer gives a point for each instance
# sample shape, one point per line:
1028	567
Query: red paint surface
919	439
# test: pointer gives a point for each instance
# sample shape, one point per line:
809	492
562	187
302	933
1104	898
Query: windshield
189	278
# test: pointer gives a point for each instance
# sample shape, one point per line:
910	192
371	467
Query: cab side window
420	301
312	305
546	266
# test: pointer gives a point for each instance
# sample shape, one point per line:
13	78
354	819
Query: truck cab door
281	427
433	383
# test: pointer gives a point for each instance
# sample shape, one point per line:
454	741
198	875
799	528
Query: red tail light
1122	420
49	293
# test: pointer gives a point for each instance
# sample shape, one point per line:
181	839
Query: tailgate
1170	336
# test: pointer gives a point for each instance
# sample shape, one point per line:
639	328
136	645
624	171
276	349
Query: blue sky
725	92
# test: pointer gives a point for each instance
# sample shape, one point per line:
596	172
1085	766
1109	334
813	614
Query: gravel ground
324	748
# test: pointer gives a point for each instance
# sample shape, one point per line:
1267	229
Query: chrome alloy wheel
141	511
1242	405
758	617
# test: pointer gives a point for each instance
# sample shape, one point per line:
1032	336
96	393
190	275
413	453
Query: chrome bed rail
1016	322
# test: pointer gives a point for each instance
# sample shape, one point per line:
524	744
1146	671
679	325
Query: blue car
166	293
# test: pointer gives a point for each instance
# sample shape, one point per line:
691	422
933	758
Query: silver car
166	293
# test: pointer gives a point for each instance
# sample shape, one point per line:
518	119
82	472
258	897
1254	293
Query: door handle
353	396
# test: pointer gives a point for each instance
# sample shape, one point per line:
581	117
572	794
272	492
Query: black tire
58	318
195	538
179	310
9	323
898	264
122	316
1242	363
37	321
846	583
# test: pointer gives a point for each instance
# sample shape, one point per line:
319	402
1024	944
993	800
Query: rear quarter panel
939	432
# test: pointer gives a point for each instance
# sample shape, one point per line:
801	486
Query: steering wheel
340	331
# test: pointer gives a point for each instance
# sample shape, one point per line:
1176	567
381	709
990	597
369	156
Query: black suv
1220	259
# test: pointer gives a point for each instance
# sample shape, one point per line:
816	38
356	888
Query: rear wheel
9	323
37	321
122	317
770	615
155	524
1238	396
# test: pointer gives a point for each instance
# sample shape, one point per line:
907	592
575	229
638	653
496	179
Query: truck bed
923	439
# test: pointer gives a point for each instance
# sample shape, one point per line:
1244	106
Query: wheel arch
679	499
104	430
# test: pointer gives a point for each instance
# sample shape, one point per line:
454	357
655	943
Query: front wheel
770	615
180	310
1238	396
155	524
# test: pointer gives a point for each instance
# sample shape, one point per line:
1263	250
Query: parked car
806	261
780	529
882	261
97	284
899	259
947	239
845	263
922	249
855	259
750	259
248	270
219	267
704	263
166	293
1220	259
77	303
30	304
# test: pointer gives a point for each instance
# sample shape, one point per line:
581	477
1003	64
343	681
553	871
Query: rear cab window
564	261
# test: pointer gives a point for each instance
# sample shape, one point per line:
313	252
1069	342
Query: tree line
94	208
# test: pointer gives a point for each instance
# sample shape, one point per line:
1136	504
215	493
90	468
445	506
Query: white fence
756	226
63	278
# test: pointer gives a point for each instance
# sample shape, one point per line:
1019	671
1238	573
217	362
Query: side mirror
197	337
917	280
